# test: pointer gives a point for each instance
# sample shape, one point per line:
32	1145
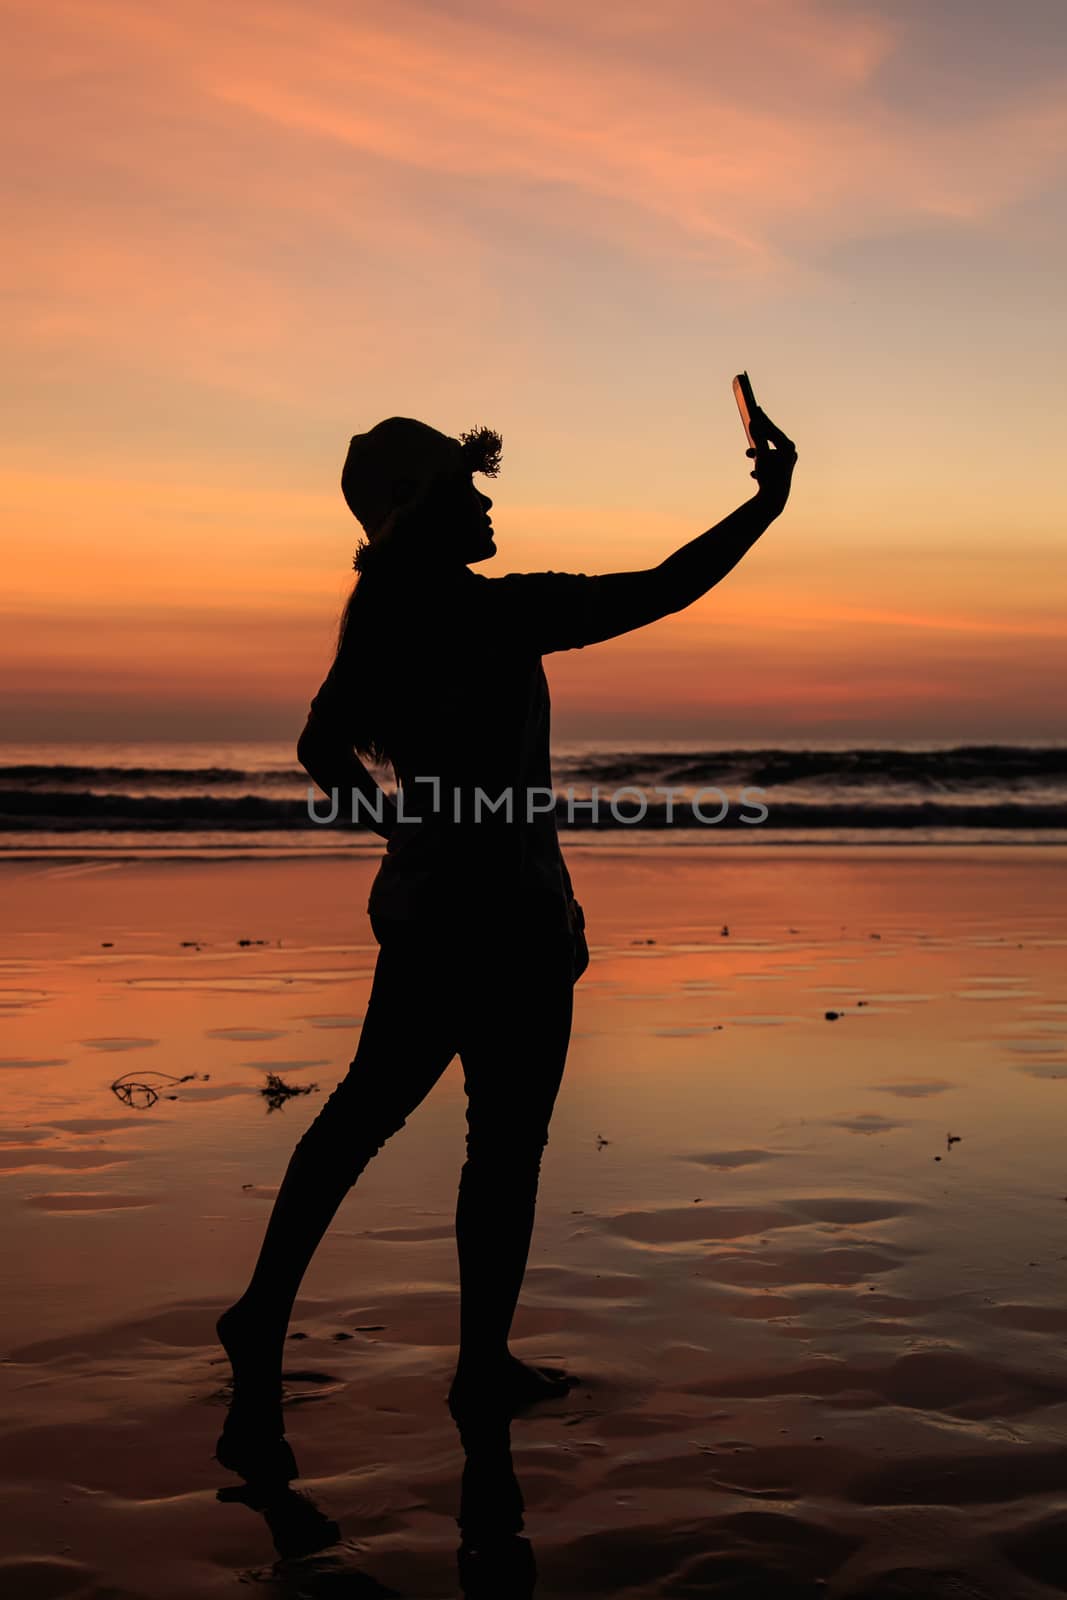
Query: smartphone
746	404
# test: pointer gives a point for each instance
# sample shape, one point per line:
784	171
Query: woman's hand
772	467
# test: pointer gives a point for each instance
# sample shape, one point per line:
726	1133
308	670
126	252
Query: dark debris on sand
142	1092
276	1091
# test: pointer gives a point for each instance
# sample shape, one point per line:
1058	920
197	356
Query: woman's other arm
332	763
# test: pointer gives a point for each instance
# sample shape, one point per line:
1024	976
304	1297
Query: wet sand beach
802	1236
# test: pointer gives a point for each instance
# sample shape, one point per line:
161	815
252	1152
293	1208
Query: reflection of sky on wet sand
802	1264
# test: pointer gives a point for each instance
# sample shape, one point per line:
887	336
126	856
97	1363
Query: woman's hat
399	459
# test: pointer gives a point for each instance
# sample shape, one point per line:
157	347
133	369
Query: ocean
113	800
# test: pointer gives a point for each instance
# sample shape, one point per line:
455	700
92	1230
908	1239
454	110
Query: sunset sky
238	233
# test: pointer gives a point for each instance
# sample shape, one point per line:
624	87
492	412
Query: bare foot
252	1442
261	1460
507	1388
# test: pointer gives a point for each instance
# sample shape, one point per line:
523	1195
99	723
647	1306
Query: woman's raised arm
633	599
564	611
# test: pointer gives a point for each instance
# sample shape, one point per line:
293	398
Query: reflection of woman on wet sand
438	672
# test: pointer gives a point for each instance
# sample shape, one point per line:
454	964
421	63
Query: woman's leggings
501	1001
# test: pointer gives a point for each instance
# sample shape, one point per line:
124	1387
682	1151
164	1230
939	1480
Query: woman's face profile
460	516
449	518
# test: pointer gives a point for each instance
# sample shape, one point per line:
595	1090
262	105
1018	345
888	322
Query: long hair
376	656
366	666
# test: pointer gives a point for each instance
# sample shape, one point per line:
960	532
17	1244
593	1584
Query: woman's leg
513	1047
407	1041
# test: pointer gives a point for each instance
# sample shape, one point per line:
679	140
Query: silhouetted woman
438	672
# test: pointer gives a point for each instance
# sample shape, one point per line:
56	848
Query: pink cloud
711	135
